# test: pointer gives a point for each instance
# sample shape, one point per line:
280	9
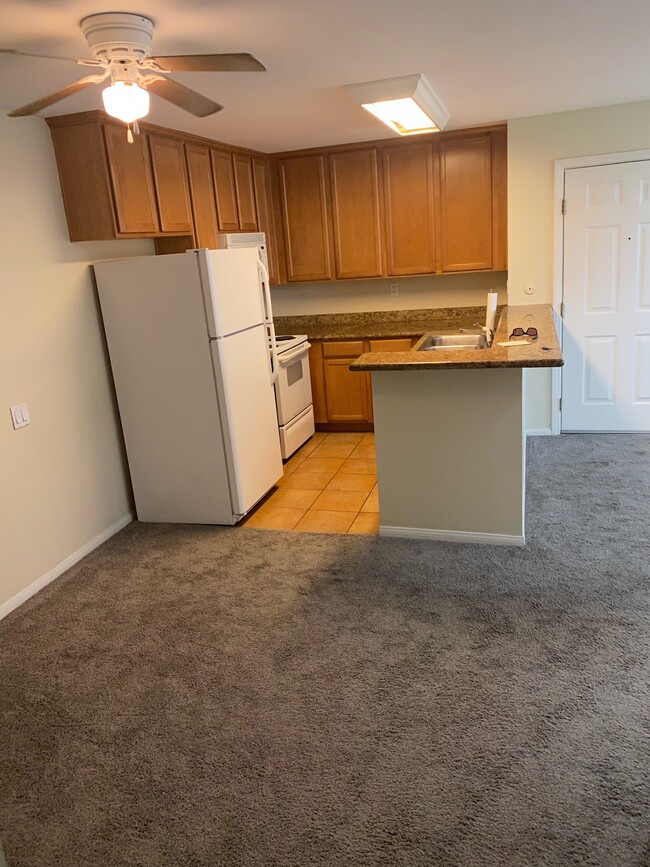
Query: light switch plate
20	415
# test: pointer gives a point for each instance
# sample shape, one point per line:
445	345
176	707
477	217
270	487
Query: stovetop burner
287	342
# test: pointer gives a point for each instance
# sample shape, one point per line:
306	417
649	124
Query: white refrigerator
188	342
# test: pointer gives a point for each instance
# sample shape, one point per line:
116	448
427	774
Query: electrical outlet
20	415
394	288
529	289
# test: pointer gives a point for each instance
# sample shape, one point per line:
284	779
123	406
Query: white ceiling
488	60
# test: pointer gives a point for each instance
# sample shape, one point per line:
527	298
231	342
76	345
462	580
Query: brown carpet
203	696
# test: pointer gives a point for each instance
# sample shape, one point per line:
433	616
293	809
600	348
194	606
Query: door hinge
559	404
562	309
563	207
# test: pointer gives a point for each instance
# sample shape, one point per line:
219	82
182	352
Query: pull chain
131	130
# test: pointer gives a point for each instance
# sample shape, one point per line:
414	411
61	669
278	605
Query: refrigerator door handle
268	318
266	290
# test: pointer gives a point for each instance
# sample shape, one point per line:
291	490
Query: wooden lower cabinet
348	394
343	397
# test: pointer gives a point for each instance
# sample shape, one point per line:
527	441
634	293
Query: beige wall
62	478
361	296
533	144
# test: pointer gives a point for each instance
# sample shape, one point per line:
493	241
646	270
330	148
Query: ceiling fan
120	45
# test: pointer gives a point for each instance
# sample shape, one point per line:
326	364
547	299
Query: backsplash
436	291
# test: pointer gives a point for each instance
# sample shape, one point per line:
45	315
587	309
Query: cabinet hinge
563	207
562	309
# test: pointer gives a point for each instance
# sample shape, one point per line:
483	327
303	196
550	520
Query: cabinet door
347	392
305	216
170	178
80	151
500	200
130	170
262	184
408	208
224	185
466	203
355	213
245	193
202	195
317	374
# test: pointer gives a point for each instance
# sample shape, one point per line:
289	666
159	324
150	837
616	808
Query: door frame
560	168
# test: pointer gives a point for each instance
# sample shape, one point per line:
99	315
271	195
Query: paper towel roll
491	313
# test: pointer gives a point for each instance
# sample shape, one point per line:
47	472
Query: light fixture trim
413	88
126	101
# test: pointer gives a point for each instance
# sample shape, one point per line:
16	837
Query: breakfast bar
450	435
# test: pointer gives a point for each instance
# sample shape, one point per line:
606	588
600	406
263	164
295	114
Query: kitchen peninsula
343	399
450	435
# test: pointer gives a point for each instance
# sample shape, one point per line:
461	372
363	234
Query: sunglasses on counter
529	332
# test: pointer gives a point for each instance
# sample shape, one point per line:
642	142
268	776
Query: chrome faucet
489	334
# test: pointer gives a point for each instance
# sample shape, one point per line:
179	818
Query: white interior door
606	285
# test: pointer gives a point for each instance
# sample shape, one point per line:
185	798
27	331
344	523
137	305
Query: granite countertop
389	323
543	352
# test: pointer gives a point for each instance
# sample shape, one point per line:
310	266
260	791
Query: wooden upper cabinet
130	171
356	213
80	152
409	209
202	195
224	185
264	211
500	200
305	216
435	205
246	213
466	227
170	179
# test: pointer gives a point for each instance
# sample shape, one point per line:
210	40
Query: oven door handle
268	317
287	358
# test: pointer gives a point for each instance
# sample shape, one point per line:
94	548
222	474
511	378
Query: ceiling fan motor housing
118	36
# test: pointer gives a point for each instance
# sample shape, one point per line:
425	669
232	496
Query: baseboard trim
451	536
539	432
63	566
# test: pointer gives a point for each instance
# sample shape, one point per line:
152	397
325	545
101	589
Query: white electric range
293	392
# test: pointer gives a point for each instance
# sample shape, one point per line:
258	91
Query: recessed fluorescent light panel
406	104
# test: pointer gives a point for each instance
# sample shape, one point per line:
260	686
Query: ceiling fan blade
45	101
210	63
29	54
184	97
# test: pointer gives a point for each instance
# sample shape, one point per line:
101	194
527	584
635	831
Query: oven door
293	385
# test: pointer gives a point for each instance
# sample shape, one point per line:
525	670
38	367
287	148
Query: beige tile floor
328	486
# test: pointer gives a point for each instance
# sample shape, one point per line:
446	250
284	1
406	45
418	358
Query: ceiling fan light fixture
126	101
406	104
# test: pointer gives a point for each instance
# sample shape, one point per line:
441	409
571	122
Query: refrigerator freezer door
232	289
250	425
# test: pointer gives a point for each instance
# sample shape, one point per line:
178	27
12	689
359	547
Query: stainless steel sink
453	341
